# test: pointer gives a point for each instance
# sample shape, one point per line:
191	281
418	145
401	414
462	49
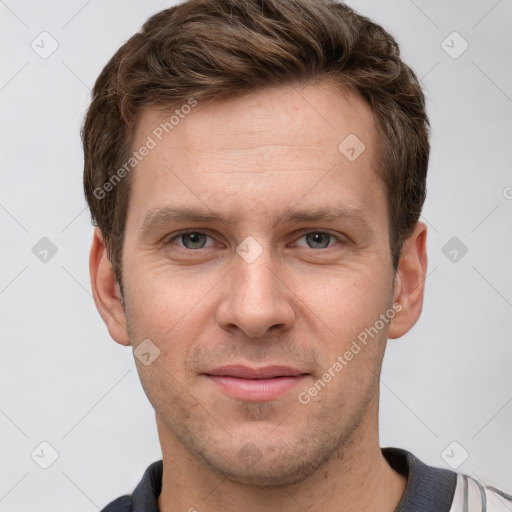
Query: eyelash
302	234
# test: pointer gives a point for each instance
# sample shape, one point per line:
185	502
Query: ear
106	291
410	282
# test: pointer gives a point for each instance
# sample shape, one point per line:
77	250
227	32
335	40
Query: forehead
313	144
315	116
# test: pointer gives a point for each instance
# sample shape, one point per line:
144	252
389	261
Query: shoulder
432	489
474	496
145	496
122	504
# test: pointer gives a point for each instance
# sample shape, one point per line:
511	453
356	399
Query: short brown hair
206	49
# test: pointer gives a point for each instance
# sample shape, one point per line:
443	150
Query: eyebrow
162	216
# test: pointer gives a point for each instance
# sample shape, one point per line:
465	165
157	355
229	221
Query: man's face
296	294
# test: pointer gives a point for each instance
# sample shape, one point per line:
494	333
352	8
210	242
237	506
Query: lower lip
256	390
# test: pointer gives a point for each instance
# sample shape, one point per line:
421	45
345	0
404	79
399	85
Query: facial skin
250	159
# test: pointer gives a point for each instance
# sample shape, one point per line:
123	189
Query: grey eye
317	240
194	240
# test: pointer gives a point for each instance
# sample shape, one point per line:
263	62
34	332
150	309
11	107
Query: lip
255	384
265	372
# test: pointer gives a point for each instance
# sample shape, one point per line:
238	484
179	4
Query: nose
256	298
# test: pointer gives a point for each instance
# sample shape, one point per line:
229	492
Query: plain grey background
446	386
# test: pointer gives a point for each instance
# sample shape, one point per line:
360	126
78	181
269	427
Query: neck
357	477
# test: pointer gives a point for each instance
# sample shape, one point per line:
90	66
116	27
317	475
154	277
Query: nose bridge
255	299
257	279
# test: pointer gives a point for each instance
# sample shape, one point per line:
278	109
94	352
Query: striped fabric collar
432	489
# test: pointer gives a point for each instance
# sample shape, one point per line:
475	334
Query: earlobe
410	282
106	290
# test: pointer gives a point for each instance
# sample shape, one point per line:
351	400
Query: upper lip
266	372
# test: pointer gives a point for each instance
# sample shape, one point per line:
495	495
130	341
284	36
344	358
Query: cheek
346	303
166	302
173	313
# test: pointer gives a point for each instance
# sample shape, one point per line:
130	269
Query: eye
318	240
191	240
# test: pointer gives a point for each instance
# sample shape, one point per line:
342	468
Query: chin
263	464
265	473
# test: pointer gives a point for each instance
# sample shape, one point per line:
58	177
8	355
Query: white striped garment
471	496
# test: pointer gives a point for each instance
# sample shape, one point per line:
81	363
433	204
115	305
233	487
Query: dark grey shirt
428	489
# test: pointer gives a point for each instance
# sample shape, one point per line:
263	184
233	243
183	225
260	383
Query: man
256	171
